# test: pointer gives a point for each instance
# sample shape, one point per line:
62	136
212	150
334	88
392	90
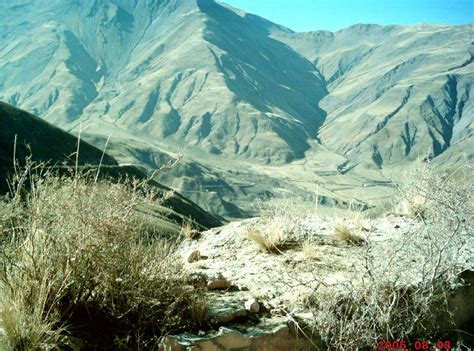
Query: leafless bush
404	287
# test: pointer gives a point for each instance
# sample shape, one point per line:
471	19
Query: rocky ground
310	255
258	295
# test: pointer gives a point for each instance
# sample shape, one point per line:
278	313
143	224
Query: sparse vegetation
392	302
344	234
310	250
271	242
82	255
188	230
277	229
199	312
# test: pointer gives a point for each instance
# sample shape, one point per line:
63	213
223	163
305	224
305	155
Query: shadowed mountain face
23	135
43	142
190	72
235	92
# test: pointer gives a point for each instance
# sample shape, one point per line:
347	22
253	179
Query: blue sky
307	15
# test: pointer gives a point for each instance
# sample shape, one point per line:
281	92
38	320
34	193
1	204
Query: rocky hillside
403	90
285	270
256	108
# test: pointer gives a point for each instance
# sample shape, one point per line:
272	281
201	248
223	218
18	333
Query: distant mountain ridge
233	91
405	90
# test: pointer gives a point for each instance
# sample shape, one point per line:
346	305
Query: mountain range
257	110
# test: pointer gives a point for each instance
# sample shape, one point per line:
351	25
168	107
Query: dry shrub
356	317
310	250
343	233
97	261
405	286
271	242
188	230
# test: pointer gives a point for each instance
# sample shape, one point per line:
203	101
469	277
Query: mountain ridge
23	135
357	88
234	90
213	72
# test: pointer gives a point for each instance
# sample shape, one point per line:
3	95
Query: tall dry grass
81	255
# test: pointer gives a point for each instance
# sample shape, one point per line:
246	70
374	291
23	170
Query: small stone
396	226
194	256
225	308
252	306
218	283
233	288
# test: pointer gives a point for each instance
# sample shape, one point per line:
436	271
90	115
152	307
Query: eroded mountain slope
256	109
396	93
187	71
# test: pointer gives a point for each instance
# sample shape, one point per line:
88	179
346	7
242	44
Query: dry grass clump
310	250
188	231
200	312
277	228
343	233
27	323
271	242
78	253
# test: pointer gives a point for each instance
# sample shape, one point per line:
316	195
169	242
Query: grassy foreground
83	257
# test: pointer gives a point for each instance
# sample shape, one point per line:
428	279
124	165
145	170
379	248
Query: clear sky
308	15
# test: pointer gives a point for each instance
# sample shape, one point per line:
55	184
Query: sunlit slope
187	71
396	93
257	110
